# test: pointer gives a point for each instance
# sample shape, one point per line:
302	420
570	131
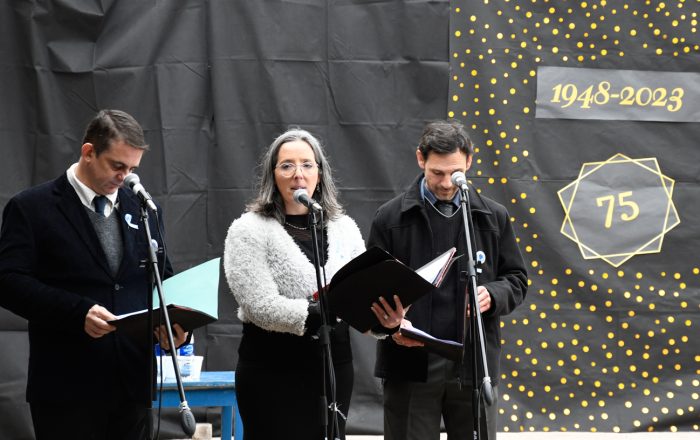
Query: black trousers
105	421
284	404
413	410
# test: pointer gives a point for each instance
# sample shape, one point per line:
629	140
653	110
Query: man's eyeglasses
288	169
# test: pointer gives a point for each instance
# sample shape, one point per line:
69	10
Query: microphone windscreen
189	425
300	195
459	179
131	180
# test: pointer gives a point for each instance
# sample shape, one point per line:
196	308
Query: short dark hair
114	125
445	137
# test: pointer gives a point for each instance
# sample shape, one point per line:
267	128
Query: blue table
214	388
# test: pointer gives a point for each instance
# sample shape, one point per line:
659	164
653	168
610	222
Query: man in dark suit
72	256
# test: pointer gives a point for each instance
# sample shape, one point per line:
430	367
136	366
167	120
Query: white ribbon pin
128	217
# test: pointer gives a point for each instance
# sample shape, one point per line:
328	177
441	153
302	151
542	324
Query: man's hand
388	317
179	336
484	298
96	321
402	340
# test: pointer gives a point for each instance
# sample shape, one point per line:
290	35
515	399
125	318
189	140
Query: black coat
401	227
52	271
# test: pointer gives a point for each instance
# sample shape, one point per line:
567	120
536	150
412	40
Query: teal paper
195	288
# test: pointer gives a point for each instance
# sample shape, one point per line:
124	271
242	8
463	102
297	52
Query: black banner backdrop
601	344
213	82
586	123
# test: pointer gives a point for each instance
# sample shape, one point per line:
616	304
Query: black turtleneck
299	227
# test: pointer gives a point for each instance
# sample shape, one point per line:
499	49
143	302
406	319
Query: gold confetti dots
606	338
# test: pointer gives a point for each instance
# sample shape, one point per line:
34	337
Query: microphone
134	183
187	421
459	180
488	391
300	196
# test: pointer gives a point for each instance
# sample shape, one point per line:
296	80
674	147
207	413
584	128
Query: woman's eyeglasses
289	169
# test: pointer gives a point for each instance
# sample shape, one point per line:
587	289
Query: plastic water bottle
187	350
186	354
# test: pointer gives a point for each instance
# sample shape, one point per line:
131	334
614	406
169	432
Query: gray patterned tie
446	208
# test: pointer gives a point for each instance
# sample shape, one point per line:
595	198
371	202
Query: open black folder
376	273
448	349
189	319
191	297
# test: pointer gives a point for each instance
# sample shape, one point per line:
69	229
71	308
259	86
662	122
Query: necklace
441	213
299	228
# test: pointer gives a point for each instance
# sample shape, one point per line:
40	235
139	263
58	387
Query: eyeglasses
288	169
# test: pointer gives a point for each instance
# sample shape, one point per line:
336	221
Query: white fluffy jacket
271	277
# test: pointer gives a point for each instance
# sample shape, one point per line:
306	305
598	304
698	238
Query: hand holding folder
191	297
376	273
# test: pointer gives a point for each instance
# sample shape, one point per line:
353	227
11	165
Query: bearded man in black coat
420	388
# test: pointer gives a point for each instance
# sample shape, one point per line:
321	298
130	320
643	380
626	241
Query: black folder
135	323
192	298
448	349
376	273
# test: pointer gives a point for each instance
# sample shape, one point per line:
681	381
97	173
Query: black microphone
460	180
133	182
187	421
300	196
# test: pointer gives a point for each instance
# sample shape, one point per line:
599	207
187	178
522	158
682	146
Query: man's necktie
100	204
446	208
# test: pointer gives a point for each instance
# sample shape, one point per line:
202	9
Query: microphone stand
324	339
186	418
473	325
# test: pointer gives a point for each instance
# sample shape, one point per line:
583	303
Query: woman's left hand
389	317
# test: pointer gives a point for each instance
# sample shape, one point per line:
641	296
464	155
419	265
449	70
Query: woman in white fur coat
268	261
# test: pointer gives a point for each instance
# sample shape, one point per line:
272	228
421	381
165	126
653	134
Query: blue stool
214	388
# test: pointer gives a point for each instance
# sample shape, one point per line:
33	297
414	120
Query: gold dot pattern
594	348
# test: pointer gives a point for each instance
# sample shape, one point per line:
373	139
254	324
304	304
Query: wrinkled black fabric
213	82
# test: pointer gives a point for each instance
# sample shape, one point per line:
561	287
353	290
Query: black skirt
279	380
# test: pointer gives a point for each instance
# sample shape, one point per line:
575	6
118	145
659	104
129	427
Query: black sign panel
578	93
584	117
